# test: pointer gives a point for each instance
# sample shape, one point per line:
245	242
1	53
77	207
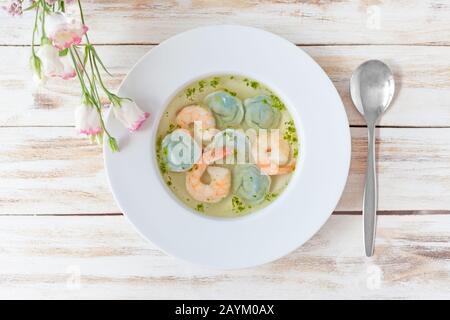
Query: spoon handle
370	195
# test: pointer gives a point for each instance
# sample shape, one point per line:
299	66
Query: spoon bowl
372	88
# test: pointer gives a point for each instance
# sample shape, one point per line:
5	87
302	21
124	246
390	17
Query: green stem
80	77
82	20
95	57
34	31
43	19
105	89
94	94
81	11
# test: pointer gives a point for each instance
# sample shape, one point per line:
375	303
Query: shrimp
220	184
272	155
203	121
272	169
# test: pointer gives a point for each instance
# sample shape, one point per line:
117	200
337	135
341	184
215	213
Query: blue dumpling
260	113
227	109
250	184
179	151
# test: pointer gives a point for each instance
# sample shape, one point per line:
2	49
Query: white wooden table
62	236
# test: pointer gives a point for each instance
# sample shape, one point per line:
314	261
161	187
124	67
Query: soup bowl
314	189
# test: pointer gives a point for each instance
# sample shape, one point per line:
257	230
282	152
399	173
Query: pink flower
130	114
53	64
87	120
62	31
13	7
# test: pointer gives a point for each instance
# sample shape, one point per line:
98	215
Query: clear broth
242	88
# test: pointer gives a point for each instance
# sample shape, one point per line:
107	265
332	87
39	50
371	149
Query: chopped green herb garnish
163	167
254	84
159	156
251	83
277	103
270	196
190	93
159	142
201	85
172	128
290	133
214	82
200	207
230	92
238	205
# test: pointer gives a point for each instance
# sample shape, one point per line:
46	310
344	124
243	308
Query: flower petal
87	120
64	32
130	115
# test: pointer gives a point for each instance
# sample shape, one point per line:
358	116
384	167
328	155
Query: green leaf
64	52
32	7
96	57
86	54
115	100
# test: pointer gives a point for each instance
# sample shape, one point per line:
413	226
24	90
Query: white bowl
315	187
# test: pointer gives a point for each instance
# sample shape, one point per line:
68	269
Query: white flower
87	120
62	31
49	63
129	114
68	71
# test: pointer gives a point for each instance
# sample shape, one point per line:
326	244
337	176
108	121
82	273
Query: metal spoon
372	88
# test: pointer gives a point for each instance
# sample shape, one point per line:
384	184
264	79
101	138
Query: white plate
316	185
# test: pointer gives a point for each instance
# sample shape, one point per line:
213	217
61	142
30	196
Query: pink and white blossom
87	120
131	116
68	71
53	64
63	31
13	7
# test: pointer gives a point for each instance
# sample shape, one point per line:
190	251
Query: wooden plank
50	171
303	22
422	74
103	257
22	103
412	169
